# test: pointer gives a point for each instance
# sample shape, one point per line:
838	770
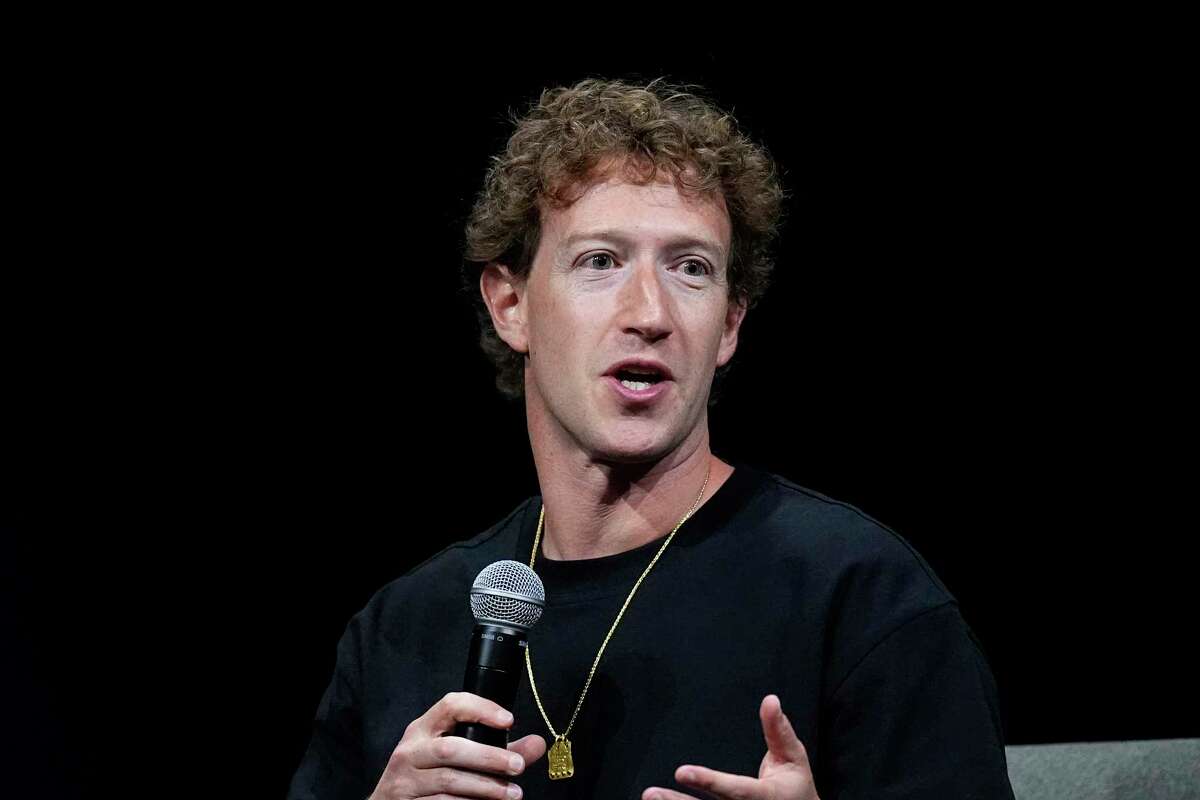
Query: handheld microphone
507	599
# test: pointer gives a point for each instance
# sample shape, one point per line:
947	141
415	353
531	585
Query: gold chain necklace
562	764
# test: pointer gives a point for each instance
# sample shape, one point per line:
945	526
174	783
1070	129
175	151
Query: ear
734	314
503	294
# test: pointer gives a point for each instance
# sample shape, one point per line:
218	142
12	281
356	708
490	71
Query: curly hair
575	135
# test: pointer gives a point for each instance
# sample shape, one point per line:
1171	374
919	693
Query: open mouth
638	380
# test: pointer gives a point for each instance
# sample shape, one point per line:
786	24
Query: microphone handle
494	665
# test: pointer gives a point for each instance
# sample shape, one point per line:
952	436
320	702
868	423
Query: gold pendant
561	763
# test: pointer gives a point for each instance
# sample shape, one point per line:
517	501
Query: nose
644	306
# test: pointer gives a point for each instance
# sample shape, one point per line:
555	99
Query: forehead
649	213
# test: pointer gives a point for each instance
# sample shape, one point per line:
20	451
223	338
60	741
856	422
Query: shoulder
836	559
860	578
442	582
799	523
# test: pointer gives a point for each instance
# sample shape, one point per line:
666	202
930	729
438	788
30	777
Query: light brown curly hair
572	136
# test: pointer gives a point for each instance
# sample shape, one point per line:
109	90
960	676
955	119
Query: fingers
658	793
426	763
461	707
722	784
785	771
777	730
530	748
460	783
454	751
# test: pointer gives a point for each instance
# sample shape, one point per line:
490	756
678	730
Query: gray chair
1162	769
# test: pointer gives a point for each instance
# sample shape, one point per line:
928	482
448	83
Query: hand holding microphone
507	598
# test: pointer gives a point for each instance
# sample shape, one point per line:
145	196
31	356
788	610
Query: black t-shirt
768	588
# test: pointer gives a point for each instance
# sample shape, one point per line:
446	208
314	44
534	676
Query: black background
245	391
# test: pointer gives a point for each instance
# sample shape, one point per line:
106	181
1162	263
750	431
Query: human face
628	277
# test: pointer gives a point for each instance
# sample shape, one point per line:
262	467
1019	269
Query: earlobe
503	294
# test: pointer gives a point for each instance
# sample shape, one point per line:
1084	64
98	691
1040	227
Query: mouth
639	381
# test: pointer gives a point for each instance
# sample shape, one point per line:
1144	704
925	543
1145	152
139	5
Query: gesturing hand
783	775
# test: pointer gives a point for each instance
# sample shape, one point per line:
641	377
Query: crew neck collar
571	579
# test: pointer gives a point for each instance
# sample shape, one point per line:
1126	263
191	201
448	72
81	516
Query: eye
694	268
599	261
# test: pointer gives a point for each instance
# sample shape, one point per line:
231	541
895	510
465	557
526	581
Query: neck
595	508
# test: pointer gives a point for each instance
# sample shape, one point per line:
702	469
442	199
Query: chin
627	458
634	449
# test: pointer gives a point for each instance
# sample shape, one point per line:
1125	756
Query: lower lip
633	395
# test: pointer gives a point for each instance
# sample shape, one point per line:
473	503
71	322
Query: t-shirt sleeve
332	768
917	717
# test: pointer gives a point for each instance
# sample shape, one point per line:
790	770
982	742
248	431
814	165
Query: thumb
777	730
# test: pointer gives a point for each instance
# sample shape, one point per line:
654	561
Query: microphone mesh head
509	593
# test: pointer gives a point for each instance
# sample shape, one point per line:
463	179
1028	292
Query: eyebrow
680	242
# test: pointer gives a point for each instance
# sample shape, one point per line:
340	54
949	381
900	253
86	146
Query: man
621	238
